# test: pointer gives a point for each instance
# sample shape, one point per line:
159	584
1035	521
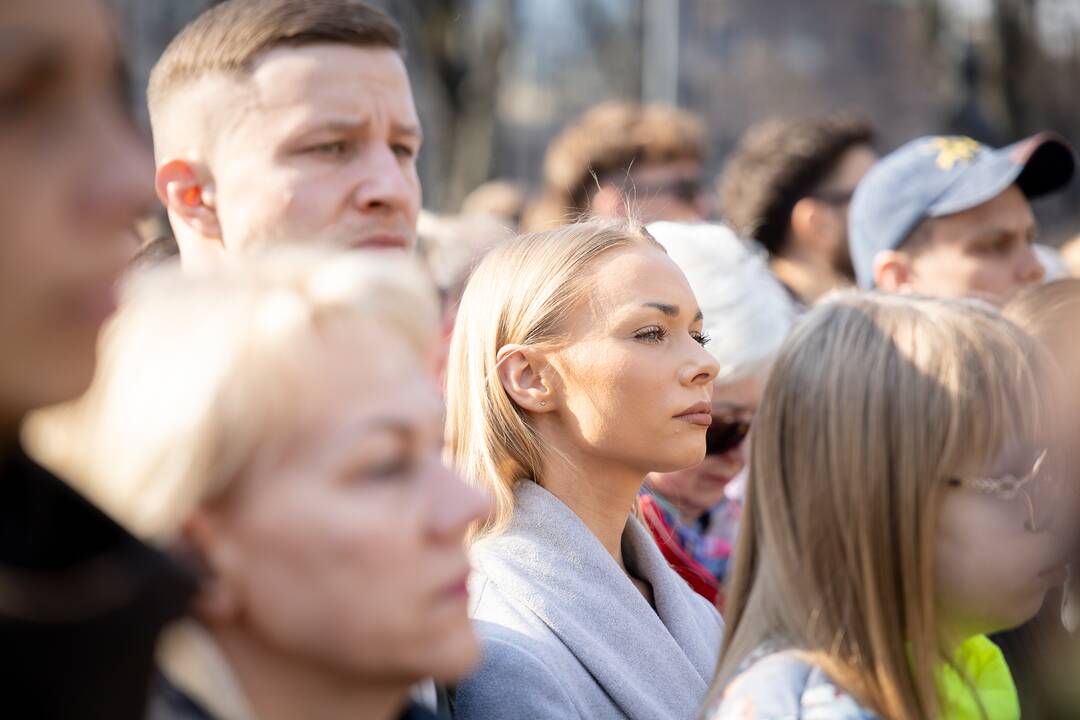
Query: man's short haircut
228	38
608	141
776	164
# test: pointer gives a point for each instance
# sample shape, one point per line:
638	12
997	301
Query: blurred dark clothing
1037	652
170	703
81	602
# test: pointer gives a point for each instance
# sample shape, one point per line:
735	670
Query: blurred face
836	192
673	191
984	252
343	548
697	490
998	553
324	151
633	380
73	180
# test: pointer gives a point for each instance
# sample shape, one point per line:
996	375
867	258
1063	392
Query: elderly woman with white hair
694	513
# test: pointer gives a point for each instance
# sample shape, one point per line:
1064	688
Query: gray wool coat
567	635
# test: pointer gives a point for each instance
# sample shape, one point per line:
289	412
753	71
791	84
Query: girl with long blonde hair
577	368
903	501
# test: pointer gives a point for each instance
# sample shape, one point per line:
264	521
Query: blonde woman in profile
905	499
278	423
576	368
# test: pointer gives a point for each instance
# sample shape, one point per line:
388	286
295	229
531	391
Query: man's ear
813	227
521	372
187	190
893	271
218	599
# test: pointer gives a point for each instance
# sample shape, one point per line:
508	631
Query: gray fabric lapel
653	665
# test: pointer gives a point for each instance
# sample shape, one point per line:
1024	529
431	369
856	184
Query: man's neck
807	277
281	687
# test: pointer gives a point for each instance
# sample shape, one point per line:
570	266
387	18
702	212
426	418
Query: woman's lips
697	414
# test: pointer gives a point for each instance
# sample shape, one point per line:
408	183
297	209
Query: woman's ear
218	600
188	192
521	372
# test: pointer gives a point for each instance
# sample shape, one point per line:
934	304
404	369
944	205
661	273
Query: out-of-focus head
280	422
950	217
789	182
621	158
499	199
585	339
881	415
748	314
73	180
284	120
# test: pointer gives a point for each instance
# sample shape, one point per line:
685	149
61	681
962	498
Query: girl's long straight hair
872	403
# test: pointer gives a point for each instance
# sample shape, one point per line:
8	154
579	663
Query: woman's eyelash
653	334
701	338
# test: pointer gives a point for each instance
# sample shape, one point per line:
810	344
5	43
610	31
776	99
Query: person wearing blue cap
951	217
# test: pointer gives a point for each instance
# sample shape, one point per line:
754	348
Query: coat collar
652	663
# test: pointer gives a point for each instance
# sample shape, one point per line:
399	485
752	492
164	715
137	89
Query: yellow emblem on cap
953	150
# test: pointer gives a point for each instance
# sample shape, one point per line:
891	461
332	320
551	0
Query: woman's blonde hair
1048	312
871	405
522	293
197	372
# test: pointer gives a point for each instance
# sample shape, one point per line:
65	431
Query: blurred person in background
1044	658
620	158
451	246
83	600
500	199
276	423
577	368
1070	255
904	501
280	120
788	185
950	217
694	513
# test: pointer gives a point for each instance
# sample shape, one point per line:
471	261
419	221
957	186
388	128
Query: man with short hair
286	120
951	217
620	158
788	185
81	600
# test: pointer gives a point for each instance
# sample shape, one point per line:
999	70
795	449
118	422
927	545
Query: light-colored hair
748	314
522	293
1048	312
195	373
873	402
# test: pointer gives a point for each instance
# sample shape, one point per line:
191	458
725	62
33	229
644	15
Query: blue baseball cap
936	176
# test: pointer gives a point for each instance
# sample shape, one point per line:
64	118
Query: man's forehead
335	76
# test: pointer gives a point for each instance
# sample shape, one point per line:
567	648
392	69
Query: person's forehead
333	78
641	274
1010	211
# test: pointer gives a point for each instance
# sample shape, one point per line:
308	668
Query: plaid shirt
711	538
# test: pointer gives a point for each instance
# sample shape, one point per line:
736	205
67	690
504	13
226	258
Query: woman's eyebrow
671	310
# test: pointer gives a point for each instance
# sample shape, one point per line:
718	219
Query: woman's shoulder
784	686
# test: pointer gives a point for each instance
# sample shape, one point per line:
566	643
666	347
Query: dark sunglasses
725	435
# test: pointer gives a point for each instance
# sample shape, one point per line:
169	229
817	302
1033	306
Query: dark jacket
81	602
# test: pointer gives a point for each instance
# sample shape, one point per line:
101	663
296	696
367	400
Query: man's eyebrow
409	130
355	127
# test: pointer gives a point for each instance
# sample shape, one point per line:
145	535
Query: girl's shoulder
784	686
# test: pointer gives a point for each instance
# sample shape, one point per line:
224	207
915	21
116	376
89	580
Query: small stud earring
543	403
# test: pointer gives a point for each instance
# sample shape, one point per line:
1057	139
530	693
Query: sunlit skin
351	503
74	179
985	252
318	145
694	491
615	394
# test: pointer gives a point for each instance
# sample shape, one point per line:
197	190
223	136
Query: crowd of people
799	443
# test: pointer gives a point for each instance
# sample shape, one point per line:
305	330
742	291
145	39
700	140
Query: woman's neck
279	687
601	495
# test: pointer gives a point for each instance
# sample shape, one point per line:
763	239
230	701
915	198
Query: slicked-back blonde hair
873	402
195	373
522	293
